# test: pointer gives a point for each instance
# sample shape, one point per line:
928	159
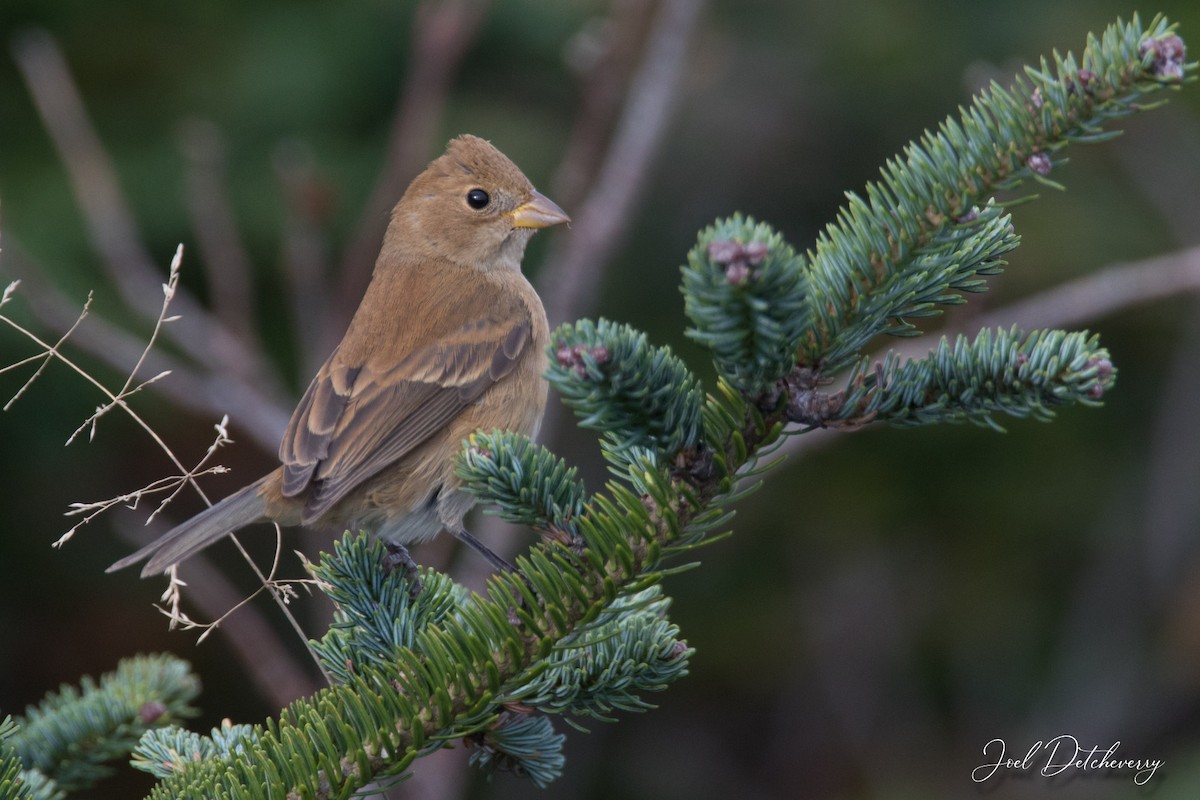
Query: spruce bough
582	630
69	740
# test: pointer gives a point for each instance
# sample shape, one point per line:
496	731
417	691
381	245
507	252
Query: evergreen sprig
71	734
12	783
24	784
970	381
520	477
27	784
377	615
609	666
638	395
1003	138
954	259
16	782
744	292
41	787
528	746
164	751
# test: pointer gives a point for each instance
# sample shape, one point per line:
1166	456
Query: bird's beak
539	212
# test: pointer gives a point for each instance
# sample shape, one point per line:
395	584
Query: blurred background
890	602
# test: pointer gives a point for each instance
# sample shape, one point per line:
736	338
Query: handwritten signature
1054	757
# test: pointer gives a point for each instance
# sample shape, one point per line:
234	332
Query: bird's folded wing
356	419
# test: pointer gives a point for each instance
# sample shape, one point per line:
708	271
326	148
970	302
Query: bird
450	337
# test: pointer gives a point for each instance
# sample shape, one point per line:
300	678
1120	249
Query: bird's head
471	206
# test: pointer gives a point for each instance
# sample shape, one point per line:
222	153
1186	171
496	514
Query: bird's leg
495	560
397	557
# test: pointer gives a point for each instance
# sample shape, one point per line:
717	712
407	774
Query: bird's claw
398	558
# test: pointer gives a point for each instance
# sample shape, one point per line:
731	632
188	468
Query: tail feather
190	537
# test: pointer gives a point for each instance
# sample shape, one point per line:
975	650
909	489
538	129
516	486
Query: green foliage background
888	603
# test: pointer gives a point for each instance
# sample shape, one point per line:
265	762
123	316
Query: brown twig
1101	293
1135	583
605	52
605	216
1170	507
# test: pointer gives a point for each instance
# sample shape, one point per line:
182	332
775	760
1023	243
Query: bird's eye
477	198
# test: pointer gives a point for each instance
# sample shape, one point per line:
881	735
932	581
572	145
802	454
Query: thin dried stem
92	509
50	352
281	593
54	352
270	665
222	438
169	289
262	417
118	400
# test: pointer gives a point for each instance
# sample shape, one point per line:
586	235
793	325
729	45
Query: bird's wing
356	419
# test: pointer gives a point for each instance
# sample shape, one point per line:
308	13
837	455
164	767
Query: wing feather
356	420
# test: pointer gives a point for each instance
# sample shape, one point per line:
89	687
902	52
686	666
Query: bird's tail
190	537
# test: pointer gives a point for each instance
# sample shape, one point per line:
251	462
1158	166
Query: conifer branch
163	751
617	383
448	668
1005	137
916	242
14	783
999	372
522	744
581	629
72	734
530	485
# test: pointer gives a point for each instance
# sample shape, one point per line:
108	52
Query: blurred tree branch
114	232
229	269
443	33
605	215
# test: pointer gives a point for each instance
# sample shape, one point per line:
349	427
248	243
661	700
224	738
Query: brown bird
450	337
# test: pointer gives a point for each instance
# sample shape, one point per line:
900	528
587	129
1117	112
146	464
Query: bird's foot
398	558
497	561
501	564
